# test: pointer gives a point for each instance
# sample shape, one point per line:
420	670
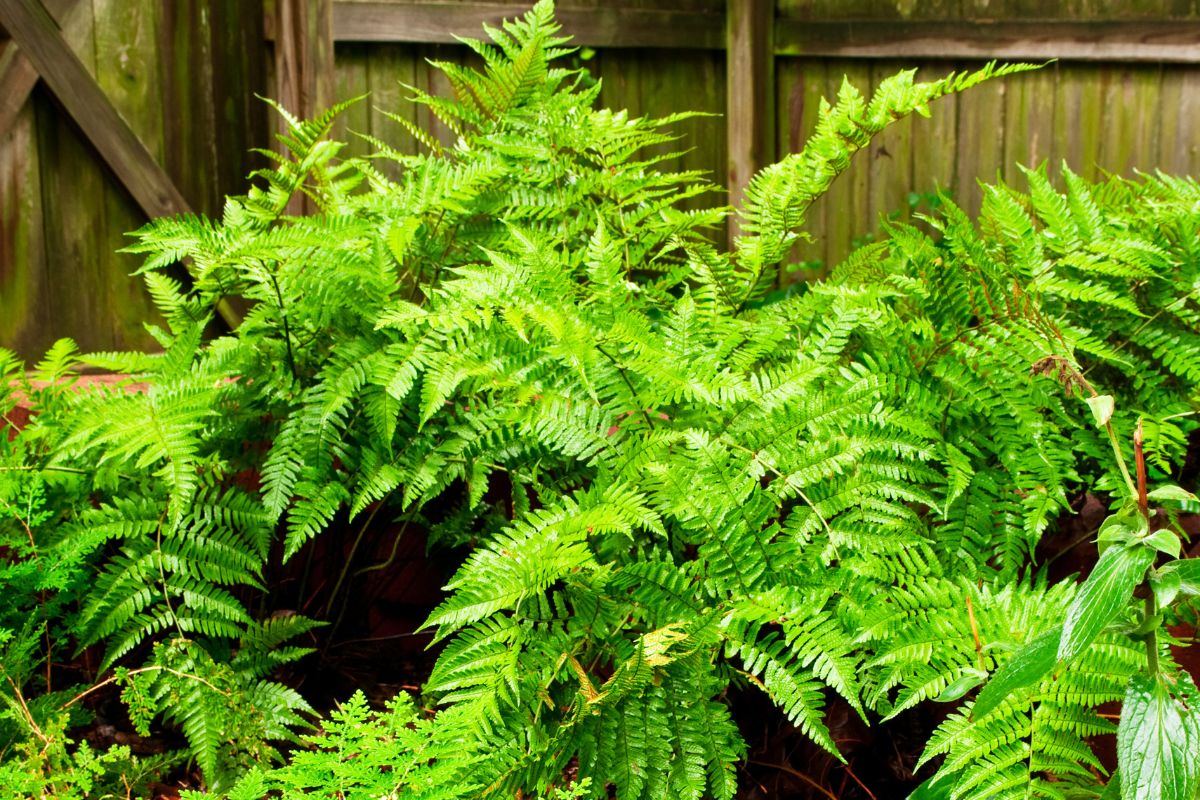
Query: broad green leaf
1166	586
963	684
1102	597
1171	493
1102	408
1127	526
1188	570
1158	741
1030	664
1164	541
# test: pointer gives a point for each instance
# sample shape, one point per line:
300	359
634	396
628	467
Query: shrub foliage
673	476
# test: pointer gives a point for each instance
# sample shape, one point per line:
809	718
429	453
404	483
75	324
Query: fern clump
672	482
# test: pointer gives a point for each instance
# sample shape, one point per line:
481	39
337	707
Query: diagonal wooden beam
42	46
32	29
17	75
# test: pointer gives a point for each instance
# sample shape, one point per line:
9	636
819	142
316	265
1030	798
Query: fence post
304	77
750	94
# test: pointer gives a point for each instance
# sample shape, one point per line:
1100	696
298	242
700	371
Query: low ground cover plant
672	481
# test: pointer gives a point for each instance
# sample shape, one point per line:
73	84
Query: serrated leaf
1030	664
1102	597
1102	408
1158	741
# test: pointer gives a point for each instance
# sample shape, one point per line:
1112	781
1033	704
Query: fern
671	480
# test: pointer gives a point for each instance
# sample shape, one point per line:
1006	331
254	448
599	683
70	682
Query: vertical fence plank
188	140
127	70
390	68
1179	141
847	203
750	67
305	81
350	79
801	88
1079	110
934	140
1130	119
1029	121
24	282
72	181
890	161
238	66
980	141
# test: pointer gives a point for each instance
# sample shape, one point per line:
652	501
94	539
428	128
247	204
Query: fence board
126	32
23	274
890	160
1179	142
800	87
1029	121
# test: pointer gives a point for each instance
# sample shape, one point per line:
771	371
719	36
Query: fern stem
337	586
138	671
795	773
632	391
1116	446
287	330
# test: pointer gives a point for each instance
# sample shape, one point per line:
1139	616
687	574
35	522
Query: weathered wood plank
24	306
127	71
934	140
1130	120
74	220
1029	120
847	218
17	75
238	69
32	28
189	144
980	142
1179	144
799	87
890	161
304	55
392	67
991	9
750	95
601	26
1012	40
351	81
866	29
1078	117
305	81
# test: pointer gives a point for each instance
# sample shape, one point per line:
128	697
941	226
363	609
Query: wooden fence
159	113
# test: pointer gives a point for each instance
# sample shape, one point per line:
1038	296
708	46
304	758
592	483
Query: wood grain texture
605	25
17	75
36	33
24	304
126	32
986	39
750	89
